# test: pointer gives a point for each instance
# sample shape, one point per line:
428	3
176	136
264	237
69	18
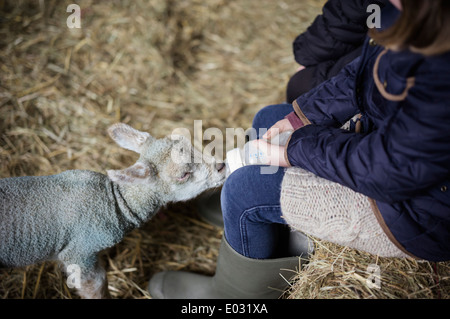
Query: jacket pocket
441	200
390	85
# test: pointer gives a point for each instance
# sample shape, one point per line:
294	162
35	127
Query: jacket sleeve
408	154
340	29
333	102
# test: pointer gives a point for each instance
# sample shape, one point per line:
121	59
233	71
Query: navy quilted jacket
400	157
338	31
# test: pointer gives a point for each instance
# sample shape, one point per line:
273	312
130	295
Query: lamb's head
171	164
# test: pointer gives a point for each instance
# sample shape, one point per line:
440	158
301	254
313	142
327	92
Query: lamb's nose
220	166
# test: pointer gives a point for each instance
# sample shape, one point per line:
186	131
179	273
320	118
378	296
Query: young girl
381	185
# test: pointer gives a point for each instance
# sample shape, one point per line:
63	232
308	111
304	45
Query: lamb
72	216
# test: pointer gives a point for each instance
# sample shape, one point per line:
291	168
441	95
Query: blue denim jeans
250	202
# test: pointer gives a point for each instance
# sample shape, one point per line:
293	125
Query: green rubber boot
209	208
236	277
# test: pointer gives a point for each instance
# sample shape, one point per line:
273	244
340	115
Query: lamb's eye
184	177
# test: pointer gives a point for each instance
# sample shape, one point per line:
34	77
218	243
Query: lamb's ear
128	137
138	173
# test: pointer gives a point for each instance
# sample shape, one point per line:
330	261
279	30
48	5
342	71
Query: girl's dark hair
423	27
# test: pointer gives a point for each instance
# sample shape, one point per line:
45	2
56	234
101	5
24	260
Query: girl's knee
248	187
236	183
260	119
233	197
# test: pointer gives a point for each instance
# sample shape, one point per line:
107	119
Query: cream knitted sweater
332	212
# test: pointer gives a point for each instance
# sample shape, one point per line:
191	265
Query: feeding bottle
250	154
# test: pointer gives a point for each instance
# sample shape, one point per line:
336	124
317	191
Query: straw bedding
159	65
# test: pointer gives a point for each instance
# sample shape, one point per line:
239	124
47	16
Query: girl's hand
278	128
275	154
